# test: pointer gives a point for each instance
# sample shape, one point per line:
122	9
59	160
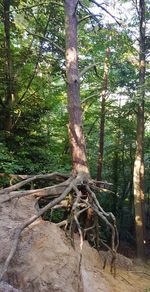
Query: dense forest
74	117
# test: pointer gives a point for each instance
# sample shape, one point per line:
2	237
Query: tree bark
102	121
115	181
9	97
76	135
138	175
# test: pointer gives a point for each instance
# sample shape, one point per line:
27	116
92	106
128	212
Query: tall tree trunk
115	181
76	135
138	176
102	121
9	96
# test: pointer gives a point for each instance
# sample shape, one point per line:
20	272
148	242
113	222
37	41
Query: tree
29	65
10	92
77	140
138	176
102	120
79	184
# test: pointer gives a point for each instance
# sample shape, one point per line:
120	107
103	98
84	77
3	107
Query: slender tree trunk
9	96
102	121
138	176
76	135
115	181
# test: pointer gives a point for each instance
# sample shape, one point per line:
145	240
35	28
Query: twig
47	40
90	13
39	4
89	97
103	8
87	69
84	18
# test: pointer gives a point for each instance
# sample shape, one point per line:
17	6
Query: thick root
80	204
29	179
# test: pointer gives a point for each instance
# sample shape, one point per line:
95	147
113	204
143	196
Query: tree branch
87	68
47	40
84	18
103	8
40	4
89	97
90	13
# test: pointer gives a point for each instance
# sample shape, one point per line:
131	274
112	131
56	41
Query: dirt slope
45	260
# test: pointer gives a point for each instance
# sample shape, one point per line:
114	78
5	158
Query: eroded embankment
45	260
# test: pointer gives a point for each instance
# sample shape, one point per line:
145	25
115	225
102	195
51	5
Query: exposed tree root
52	191
29	179
76	186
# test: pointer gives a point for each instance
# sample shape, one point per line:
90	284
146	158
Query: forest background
33	98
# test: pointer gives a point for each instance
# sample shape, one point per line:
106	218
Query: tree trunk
76	135
9	97
115	181
102	121
138	176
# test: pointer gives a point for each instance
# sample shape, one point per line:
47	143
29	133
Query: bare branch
47	40
90	13
84	18
86	69
36	64
39	4
103	8
89	97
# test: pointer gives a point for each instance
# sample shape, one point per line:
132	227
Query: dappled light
74	146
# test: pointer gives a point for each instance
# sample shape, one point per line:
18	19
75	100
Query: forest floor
45	260
134	276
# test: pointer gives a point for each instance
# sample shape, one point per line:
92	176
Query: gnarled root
80	204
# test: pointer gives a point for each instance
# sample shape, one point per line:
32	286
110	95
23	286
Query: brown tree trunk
76	135
102	121
138	175
115	181
9	97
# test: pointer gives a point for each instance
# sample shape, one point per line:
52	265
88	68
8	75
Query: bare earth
45	260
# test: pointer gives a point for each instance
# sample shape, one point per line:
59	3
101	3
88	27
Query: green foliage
9	164
38	139
55	216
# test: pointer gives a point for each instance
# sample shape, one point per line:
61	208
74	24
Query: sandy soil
46	262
